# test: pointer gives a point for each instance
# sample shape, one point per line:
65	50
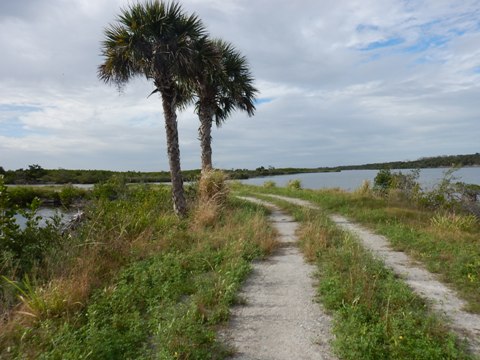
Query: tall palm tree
222	87
156	40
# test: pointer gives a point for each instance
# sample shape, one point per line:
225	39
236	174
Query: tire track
443	300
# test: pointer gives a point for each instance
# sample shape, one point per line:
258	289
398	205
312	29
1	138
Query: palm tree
156	40
222	87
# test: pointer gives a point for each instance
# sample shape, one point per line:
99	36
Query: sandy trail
443	300
280	320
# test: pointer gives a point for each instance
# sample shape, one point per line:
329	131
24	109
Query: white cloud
349	82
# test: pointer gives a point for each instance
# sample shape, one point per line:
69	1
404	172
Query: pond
352	179
48	213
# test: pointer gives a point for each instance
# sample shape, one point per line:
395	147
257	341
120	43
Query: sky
340	82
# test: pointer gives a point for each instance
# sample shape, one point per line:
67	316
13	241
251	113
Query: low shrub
294	184
269	184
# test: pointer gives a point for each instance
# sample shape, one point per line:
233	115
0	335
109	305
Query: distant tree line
422	163
35	174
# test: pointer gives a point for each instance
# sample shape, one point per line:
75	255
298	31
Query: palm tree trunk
173	149
205	131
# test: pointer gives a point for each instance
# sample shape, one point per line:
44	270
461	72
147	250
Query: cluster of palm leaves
162	43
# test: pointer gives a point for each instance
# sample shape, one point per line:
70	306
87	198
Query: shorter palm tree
222	86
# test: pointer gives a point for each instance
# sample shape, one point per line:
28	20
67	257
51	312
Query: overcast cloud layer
341	82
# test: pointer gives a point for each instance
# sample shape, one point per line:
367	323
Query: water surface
352	179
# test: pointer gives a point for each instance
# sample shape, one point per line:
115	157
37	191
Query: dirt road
442	299
280	319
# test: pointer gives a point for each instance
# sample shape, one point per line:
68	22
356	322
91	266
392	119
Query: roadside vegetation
376	316
133	280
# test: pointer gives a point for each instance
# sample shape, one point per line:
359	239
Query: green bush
294	184
112	189
23	249
383	181
69	194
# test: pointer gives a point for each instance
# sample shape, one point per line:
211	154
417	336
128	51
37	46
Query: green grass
448	246
136	282
376	316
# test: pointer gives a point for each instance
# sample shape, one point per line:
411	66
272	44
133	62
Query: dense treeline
270	171
35	174
422	163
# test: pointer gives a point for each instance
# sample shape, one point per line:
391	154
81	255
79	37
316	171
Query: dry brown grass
364	190
265	236
213	191
205	214
213	187
313	238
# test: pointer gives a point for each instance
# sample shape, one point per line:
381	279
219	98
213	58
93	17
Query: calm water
47	213
352	179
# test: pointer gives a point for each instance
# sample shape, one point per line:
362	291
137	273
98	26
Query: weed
364	190
455	222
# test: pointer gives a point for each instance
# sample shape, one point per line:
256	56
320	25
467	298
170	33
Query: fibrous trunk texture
205	131
179	203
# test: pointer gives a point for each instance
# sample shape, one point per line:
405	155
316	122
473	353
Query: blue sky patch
13	128
383	44
426	43
19	108
366	27
457	32
263	101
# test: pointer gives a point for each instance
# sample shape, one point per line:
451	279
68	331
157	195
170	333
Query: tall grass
134	281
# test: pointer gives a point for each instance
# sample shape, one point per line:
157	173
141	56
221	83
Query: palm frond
225	85
156	40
